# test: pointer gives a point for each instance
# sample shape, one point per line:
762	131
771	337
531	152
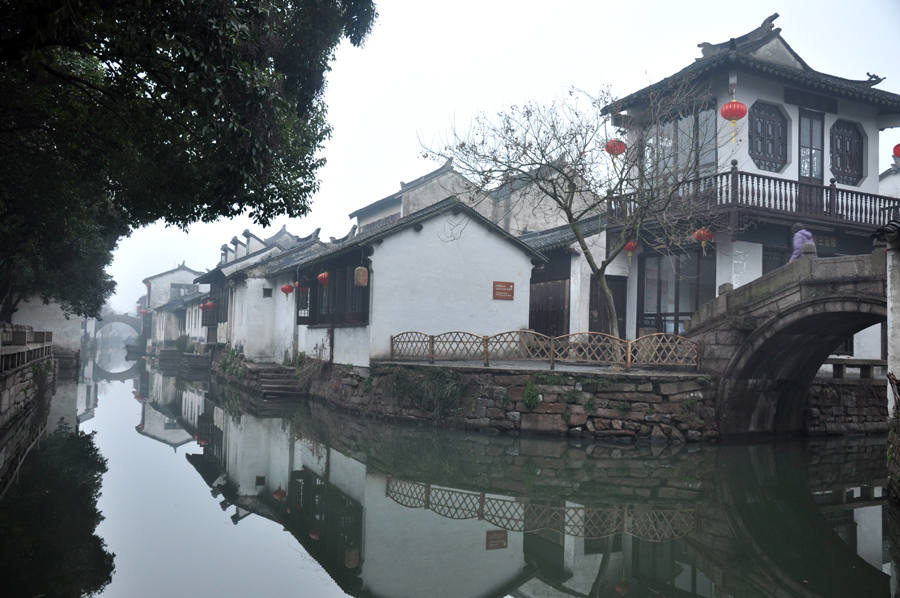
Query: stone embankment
613	405
837	407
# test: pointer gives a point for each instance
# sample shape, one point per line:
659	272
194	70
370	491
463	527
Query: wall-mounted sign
823	241
496	540
504	290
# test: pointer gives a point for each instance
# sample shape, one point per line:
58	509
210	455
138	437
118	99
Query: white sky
428	64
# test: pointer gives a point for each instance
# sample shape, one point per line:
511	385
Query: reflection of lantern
361	276
615	147
203	441
287	289
734	111
704	235
314	533
143	311
897	151
623	588
323	278
208	305
630	247
279	494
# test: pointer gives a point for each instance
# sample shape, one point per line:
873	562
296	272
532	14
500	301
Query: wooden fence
595	348
20	347
528	515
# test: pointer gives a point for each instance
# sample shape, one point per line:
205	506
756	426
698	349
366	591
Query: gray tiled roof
561	236
405	188
730	55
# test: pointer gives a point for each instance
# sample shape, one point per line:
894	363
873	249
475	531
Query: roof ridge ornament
873	79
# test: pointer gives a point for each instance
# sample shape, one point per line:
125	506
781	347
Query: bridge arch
763	388
133	322
133	372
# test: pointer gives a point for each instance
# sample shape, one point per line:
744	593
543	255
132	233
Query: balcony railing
20	347
736	189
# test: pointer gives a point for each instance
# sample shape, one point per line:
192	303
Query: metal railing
659	349
526	515
21	347
743	189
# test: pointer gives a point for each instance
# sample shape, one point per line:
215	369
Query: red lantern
630	247
279	494
287	289
323	278
734	111
897	151
615	147
143	311
208	305
704	235
624	588
314	533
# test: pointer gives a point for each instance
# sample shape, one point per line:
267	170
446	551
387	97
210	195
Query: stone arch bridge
767	339
132	321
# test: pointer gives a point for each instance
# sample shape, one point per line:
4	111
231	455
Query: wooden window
267	293
684	147
338	302
222	305
811	147
774	258
304	314
672	287
768	137
846	153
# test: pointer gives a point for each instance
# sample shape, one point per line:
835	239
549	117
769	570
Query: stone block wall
25	395
614	406
848	406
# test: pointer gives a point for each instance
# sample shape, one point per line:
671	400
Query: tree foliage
552	161
180	110
48	519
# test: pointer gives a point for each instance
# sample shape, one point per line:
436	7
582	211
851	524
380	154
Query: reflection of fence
20	347
524	515
527	345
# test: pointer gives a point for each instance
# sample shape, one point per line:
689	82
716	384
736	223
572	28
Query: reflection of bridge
132	321
767	339
133	372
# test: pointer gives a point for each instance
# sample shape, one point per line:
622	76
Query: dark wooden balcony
736	190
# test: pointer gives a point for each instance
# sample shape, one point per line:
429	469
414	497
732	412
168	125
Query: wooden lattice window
846	153
768	137
338	302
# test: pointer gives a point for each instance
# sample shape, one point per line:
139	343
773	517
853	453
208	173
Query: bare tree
643	169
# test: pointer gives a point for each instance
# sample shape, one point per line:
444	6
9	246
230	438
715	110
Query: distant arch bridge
133	321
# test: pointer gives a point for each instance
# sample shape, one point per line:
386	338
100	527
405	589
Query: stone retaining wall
848	406
614	406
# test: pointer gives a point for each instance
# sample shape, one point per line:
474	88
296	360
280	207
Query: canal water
203	498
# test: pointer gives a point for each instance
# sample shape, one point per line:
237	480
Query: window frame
760	116
841	174
339	303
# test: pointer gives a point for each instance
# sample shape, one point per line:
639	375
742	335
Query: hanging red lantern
296	283
704	236
287	289
323	278
615	147
279	494
631	247
143	311
734	111
897	151
624	588
208	305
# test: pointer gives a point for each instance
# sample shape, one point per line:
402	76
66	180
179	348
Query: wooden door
598	319
811	194
549	307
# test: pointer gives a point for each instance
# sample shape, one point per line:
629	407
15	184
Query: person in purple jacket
801	236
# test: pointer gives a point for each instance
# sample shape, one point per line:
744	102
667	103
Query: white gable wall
440	279
42	318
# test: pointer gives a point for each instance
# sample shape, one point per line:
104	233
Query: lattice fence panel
454	504
505	514
410	345
408	494
590	347
661	526
664	349
458	345
597	523
519	344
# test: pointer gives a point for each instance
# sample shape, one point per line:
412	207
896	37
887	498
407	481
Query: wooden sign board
504	290
496	540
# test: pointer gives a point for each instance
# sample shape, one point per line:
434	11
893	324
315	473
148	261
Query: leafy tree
48	519
123	112
554	164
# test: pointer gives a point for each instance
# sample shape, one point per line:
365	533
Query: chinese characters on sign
496	540
504	290
822	241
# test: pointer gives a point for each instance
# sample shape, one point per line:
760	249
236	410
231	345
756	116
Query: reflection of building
392	512
161	412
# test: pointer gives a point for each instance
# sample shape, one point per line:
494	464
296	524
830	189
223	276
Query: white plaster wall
416	552
257	447
893	319
257	325
751	88
439	189
737	262
867	343
351	345
868	534
441	279
890	185
66	332
580	280
160	286
347	475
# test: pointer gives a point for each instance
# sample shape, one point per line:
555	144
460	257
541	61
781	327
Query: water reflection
391	511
